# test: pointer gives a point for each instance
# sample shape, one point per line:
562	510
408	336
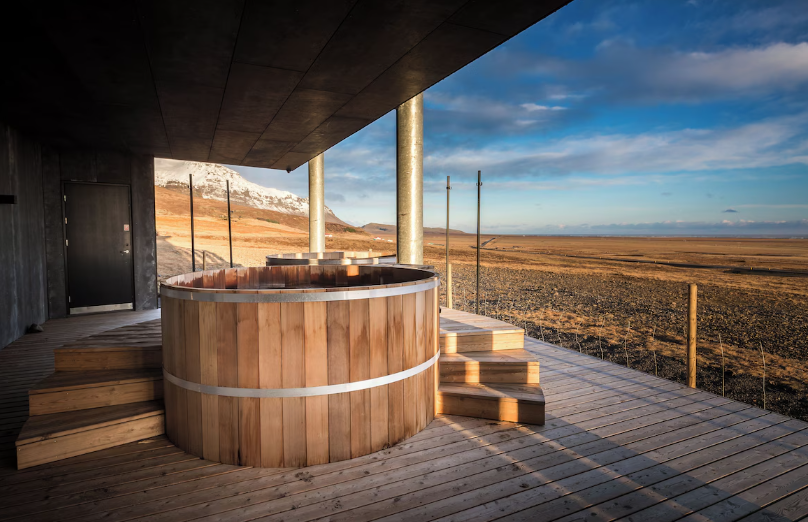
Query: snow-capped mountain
209	183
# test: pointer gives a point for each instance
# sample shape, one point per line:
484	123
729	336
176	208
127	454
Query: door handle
124	251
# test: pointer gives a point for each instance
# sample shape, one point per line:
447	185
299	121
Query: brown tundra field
622	299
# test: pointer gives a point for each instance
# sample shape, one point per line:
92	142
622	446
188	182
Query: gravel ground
607	304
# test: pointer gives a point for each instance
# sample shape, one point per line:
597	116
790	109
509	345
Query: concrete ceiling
260	83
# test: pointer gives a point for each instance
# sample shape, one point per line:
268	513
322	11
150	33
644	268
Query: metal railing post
449	285
479	186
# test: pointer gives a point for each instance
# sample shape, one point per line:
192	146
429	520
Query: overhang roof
260	83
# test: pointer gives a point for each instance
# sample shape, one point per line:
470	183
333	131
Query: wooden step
523	403
80	358
462	332
71	391
132	347
495	366
48	438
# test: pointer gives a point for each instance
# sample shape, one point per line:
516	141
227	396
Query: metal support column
410	181
316	204
191	193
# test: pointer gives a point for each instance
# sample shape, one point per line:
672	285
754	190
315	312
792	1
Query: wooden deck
617	444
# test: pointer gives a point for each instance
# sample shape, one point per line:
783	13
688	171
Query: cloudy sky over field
608	117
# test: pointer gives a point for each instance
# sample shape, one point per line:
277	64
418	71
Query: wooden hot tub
344	257
298	365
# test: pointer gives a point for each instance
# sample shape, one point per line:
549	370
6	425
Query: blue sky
608	117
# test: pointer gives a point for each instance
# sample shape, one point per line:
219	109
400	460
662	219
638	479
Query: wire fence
751	345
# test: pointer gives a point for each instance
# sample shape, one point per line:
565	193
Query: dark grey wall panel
9	312
23	291
33	283
144	232
54	233
113	167
78	165
106	167
32	264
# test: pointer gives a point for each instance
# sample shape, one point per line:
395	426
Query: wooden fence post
691	335
204	261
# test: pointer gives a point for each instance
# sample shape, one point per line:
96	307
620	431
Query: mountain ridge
381	228
209	183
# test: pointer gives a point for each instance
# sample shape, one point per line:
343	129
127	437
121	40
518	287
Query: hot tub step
130	347
73	359
461	332
48	438
496	366
72	391
522	403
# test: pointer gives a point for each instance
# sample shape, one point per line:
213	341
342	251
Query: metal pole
410	181
193	250
449	286
479	186
448	188
691	335
448	266
229	227
316	205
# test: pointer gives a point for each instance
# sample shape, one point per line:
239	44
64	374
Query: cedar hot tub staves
298	365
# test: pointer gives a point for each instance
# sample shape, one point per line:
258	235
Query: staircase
107	390
485	371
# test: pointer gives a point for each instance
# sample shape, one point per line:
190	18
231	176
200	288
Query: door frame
99	308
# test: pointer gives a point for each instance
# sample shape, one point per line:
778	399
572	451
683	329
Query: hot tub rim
300	295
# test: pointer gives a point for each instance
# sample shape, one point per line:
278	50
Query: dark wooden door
99	246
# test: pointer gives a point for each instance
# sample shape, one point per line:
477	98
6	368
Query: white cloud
781	65
777	19
766	143
462	115
629	72
532	107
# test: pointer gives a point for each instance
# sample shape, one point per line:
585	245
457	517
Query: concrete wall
32	259
23	280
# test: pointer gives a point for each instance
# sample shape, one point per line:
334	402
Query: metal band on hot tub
312	391
249	295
